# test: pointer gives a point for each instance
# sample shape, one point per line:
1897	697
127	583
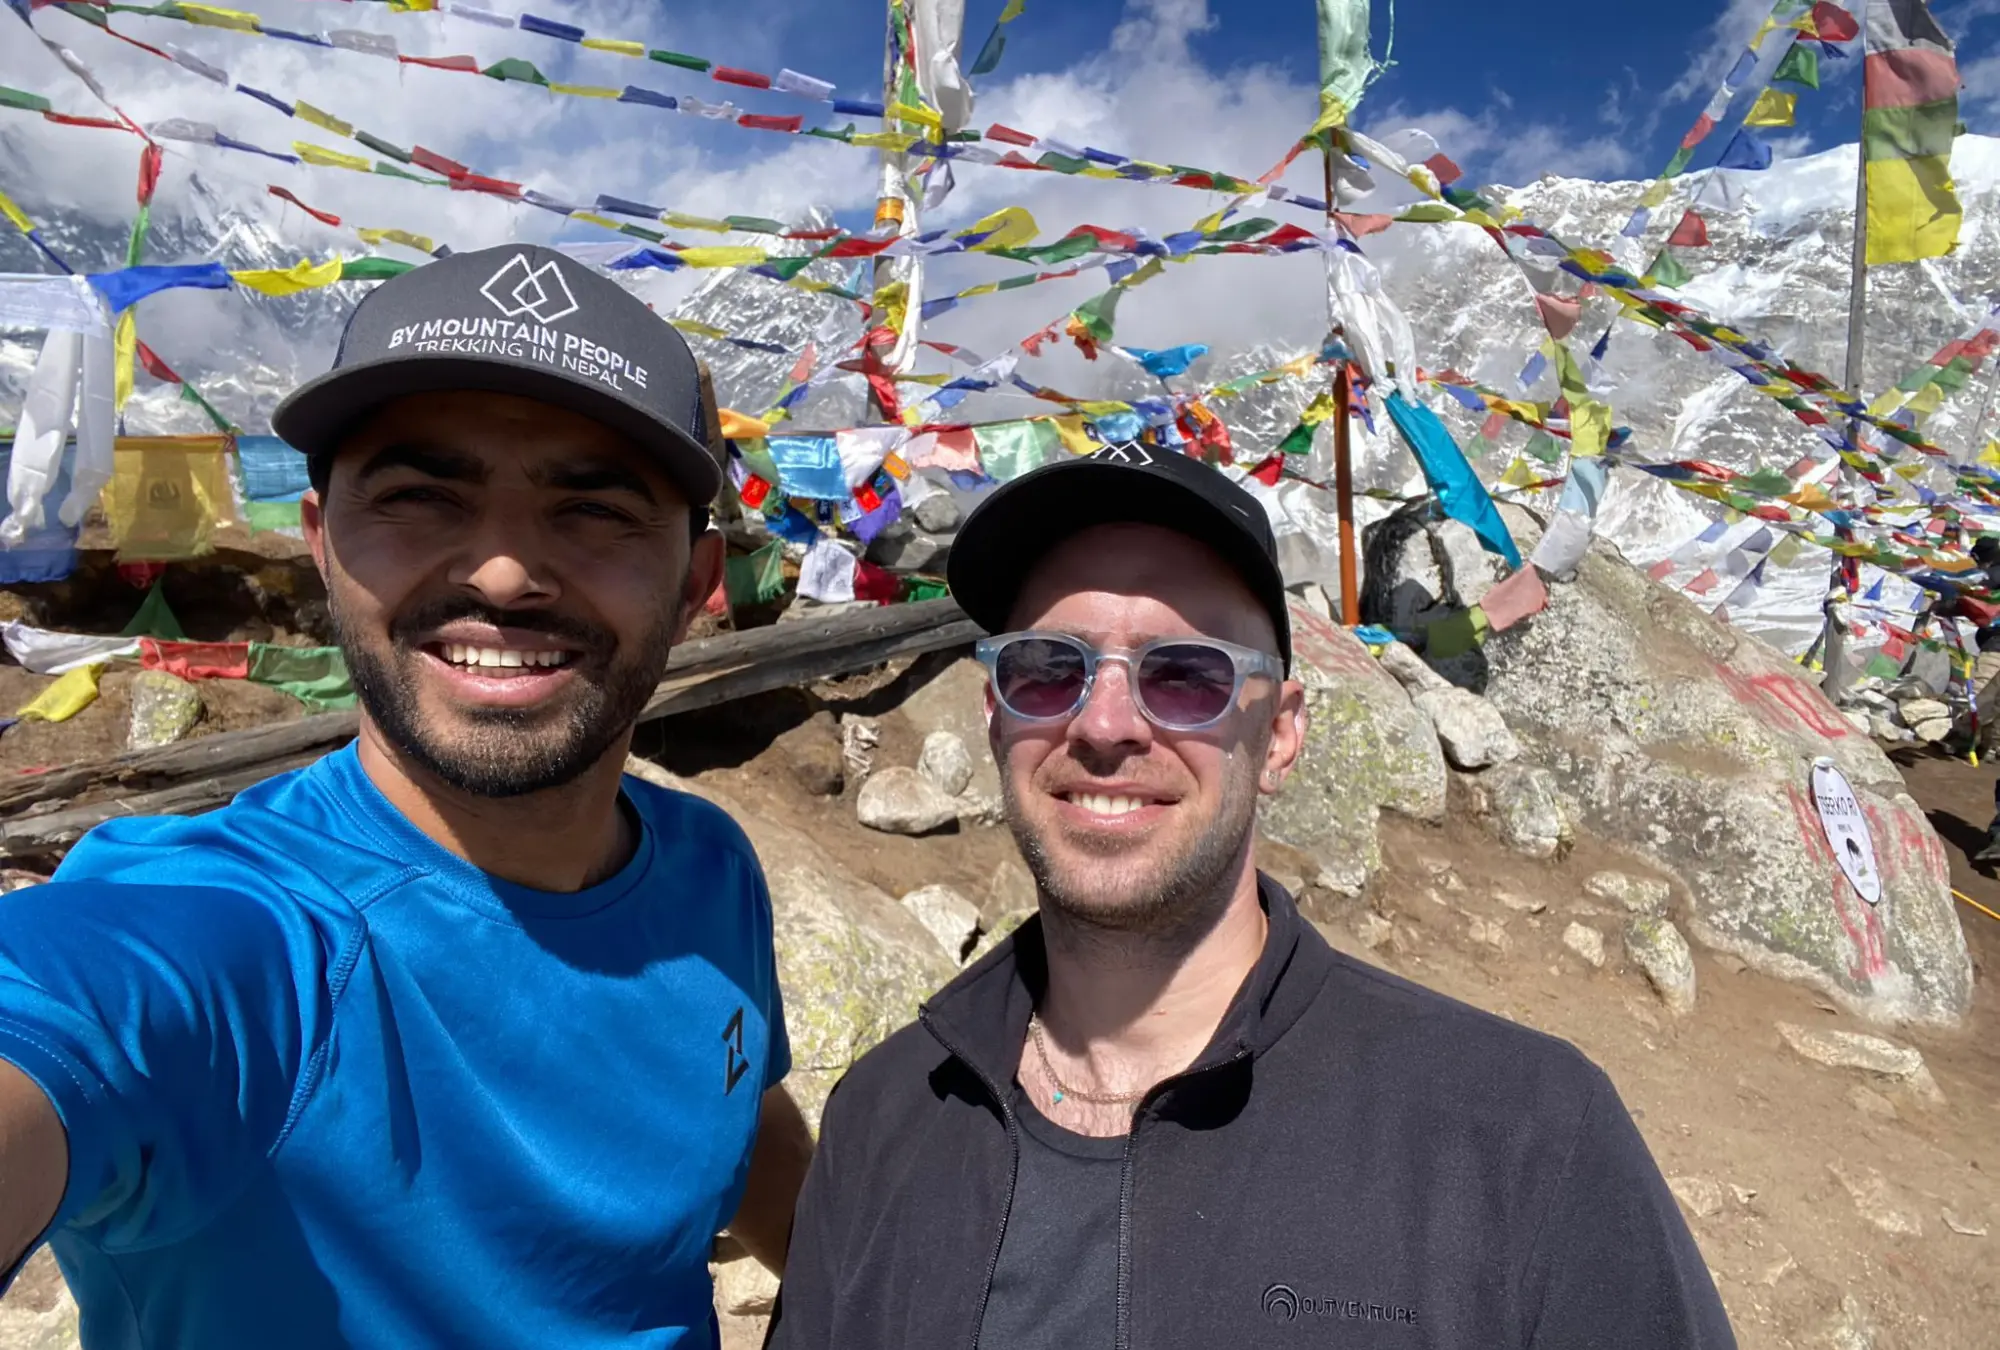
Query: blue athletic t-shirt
328	1085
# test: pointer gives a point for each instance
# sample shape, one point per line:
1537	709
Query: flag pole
891	202
1343	463
1833	639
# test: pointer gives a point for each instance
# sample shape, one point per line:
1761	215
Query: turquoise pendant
1056	1100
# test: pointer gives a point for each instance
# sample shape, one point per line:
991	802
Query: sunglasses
1179	683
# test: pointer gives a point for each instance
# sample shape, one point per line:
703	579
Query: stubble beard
503	752
1175	899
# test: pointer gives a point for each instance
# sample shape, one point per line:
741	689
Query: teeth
461	654
1097	803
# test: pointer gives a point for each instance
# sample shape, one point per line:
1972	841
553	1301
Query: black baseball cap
1010	532
517	319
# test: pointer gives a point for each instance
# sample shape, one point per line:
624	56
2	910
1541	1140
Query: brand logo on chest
736	1063
1283	1304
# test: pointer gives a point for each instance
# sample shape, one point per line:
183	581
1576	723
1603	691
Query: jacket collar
982	1016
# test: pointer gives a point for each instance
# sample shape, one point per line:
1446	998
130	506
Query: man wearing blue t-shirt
457	1037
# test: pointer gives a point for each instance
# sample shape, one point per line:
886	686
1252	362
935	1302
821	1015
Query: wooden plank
222	755
26	835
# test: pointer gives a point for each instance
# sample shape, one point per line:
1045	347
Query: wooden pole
890	201
1343	462
1833	639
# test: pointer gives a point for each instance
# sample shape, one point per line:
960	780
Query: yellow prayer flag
1926	400
1519	474
738	426
124	347
930	118
422	243
675	220
1075	438
166	496
1589	427
1657	193
412	6
884	140
1319	409
1013	10
330	159
585	90
65	698
15	214
741	255
707	330
211	16
983	288
1812	497
1103	407
1889	401
1773	108
300	276
1990	456
1006	228
307	113
592	218
1480	218
1913	209
621	46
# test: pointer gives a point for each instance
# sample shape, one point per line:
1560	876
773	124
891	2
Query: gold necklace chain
1064	1090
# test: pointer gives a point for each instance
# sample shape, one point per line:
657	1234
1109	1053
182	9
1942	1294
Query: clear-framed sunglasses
1179	683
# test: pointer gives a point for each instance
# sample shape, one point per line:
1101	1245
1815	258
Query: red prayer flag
1704	583
1559	314
1363	226
749	79
1446	171
997	132
1698	132
754	491
1661	570
875	583
1268	471
325	218
436	163
464	63
496	187
1692	232
155	367
69	120
767	122
196	660
149	172
1834	24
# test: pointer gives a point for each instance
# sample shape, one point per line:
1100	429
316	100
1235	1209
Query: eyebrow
597	478
430	460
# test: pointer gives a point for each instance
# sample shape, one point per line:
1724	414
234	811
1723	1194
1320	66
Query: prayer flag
1345	63
1909	122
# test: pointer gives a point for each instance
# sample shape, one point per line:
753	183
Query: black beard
506	752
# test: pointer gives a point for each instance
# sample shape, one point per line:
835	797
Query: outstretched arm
778	1163
34	1164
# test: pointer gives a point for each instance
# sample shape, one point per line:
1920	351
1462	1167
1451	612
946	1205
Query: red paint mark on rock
1324	646
1785	703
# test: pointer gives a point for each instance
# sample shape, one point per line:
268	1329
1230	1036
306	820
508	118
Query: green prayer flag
155	619
391	171
1099	313
787	268
265	516
16	98
755	224
1884	667
756	578
1543	447
315	676
382	147
1456	634
923	588
189	394
372	269
627	227
676	59
1800	66
514	68
1768	483
1788	549
1062	163
1345	64
1298	442
1667	271
1952	376
1245	229
1678	164
1009	449
140	224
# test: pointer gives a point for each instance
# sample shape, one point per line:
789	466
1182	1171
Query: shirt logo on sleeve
737	1063
1283	1304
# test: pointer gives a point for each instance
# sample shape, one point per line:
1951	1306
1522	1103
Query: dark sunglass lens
1186	684
1039	677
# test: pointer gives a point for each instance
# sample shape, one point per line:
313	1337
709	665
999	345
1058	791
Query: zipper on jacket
1123	1339
1013	1172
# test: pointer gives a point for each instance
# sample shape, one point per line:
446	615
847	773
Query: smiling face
1124	825
505	579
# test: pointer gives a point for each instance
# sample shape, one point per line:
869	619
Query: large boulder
955	701
1693	744
1368	750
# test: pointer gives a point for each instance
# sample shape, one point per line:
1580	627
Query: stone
1521	904
1689	744
39	1312
858	738
1661	953
18	878
1471	730
1635	895
1405	577
1346	877
1010	890
1587	943
904	550
899	800
951	918
165	708
1869	1102
744	1288
814	755
998	932
1470	571
1488	932
954	700
1930	733
1518	802
1778	1269
1885	730
1701	1197
1372	931
1918	711
978	808
1858	719
1835	1049
1880	1203
938	513
1410	670
1962	1227
1368	750
946	762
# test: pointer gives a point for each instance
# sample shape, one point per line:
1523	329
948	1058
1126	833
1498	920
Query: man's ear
1289	724
312	520
706	561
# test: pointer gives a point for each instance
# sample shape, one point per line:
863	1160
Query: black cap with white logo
515	320
1010	532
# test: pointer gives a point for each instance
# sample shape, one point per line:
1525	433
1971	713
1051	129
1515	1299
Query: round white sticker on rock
1846	829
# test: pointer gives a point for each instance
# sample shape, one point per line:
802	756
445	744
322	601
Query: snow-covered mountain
1778	269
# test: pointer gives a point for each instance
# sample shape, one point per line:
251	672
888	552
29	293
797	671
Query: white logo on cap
540	292
1131	452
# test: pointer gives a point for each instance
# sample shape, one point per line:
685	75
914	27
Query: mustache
410	628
